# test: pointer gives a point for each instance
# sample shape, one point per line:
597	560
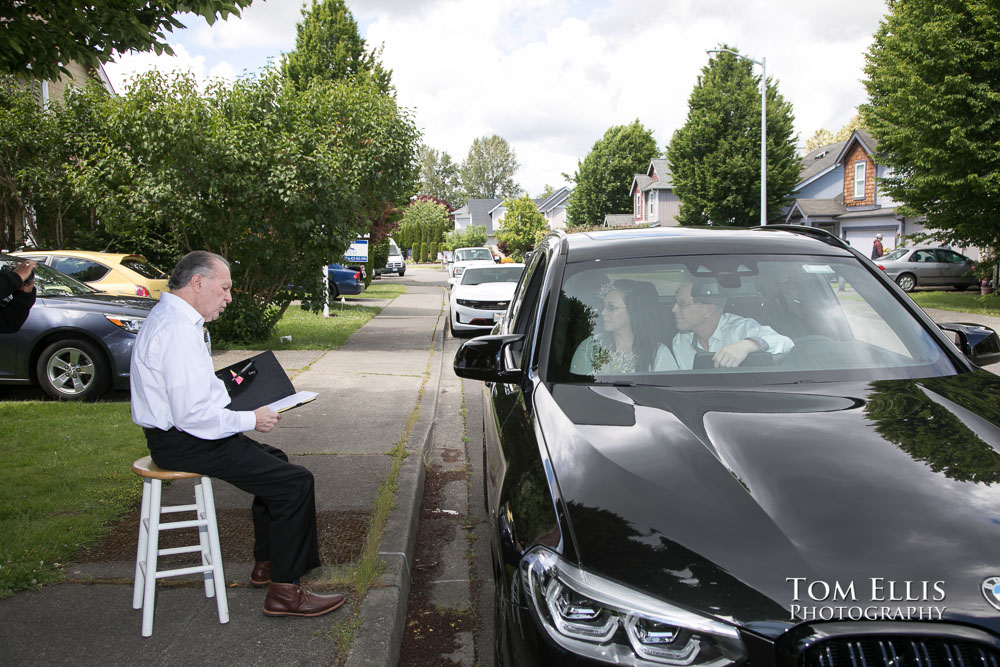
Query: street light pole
763	127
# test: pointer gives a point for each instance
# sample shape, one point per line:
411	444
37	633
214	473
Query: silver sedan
928	267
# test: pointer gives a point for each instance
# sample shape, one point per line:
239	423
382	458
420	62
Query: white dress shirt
173	380
731	329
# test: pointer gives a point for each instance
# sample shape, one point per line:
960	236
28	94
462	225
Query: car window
898	253
49	282
144	269
83	270
472	254
500	274
810	319
923	256
951	257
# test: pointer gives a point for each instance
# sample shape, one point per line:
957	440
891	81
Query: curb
383	611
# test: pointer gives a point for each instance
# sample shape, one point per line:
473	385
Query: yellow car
114	273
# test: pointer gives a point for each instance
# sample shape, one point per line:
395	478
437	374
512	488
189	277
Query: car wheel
402	272
73	369
907	282
334	292
451	326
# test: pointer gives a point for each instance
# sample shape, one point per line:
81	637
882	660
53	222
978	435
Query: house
839	191
478	212
78	75
654	202
552	208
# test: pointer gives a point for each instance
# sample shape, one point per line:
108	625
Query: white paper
289	402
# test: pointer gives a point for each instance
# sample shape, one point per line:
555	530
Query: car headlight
126	322
600	619
466	303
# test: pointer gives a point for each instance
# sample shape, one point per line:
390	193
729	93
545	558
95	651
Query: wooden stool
146	574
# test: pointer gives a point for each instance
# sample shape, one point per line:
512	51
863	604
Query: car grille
899	651
484	305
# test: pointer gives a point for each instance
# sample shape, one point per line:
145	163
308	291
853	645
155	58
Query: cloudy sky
551	76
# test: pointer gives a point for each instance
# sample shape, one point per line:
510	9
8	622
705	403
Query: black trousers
284	504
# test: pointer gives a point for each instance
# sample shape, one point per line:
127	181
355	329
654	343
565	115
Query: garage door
862	239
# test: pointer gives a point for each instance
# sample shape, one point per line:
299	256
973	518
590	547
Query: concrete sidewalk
368	391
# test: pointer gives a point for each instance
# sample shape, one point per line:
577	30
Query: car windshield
144	268
796	319
472	254
898	253
49	282
499	274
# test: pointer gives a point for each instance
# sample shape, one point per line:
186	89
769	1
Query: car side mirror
980	344
482	359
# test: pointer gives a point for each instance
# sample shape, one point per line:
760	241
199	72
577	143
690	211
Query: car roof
665	241
86	254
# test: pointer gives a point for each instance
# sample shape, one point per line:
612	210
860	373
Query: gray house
477	212
654	202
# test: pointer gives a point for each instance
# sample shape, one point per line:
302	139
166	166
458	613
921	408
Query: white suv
466	256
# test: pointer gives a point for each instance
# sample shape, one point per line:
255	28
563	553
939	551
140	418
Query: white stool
146	574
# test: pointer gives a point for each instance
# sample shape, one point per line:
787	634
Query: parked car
481	296
833	504
395	263
77	342
928	267
114	273
464	256
345	280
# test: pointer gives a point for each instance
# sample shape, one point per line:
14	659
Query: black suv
718	446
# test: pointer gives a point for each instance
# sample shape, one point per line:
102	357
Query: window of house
652	202
637	209
859	180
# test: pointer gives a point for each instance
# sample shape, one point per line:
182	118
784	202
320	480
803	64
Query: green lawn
65	468
312	331
963	302
65	473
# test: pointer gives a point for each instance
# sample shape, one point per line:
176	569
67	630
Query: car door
956	269
927	267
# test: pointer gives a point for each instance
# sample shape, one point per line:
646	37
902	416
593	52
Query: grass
65	473
963	302
312	331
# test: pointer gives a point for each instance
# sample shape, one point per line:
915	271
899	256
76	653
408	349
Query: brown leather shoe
261	575
292	600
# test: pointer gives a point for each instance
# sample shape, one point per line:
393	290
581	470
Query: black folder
257	381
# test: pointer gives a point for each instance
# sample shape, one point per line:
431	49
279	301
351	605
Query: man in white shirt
181	405
705	328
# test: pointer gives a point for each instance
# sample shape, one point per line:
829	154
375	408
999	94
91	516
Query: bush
248	320
432	255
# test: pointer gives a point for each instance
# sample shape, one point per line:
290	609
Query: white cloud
552	75
125	66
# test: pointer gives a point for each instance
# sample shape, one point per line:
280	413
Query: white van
395	263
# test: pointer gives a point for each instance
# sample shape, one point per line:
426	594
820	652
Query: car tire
73	370
334	292
907	282
402	272
451	326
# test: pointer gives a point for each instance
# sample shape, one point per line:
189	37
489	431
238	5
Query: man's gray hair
199	262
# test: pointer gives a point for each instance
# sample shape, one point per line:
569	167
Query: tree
933	81
440	177
277	180
40	38
824	137
488	170
468	237
603	177
329	48
715	156
522	228
424	220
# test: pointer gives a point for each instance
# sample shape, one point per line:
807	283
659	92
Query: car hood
736	502
132	305
485	291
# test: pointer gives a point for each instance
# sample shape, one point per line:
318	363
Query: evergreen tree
328	47
603	177
934	107
715	156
